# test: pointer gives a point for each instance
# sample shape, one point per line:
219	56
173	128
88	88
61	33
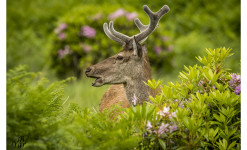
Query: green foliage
203	107
72	49
201	111
33	109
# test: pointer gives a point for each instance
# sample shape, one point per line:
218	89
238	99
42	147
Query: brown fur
114	95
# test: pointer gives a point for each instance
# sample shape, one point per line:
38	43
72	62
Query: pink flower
88	32
157	49
118	13
131	16
61	36
63	52
66	50
60	53
149	126
134	100
170	48
96	17
86	48
61	27
165	38
164	112
173	128
163	128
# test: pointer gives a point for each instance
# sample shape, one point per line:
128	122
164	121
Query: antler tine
119	35
154	19
141	27
109	34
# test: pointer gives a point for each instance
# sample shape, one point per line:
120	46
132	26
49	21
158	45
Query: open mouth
98	81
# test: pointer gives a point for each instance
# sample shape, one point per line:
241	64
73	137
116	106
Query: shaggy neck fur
135	85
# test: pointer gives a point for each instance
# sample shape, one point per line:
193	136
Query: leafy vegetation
201	111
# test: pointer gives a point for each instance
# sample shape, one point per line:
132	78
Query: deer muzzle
90	73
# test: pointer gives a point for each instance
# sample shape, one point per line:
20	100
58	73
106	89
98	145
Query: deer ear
137	48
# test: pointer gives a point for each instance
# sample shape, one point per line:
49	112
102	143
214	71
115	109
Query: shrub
202	111
79	40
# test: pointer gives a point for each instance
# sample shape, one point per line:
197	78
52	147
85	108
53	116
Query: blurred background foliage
34	36
61	38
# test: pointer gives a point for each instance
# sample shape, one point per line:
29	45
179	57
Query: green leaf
163	144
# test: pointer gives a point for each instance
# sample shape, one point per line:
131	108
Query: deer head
131	62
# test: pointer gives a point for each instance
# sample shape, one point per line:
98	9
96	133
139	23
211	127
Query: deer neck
135	86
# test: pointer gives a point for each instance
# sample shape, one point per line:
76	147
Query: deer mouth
98	82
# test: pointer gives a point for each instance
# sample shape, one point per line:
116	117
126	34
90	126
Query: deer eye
119	57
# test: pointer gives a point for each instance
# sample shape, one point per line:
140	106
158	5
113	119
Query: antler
146	30
154	19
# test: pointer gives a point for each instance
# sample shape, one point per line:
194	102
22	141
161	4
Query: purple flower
173	128
134	100
157	49
238	89
131	16
61	36
201	82
118	13
232	84
163	128
88	32
149	126
235	83
181	105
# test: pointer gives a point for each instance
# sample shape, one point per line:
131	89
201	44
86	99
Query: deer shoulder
114	95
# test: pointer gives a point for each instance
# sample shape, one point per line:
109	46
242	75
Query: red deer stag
129	69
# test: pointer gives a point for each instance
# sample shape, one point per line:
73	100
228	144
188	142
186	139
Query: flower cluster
121	12
63	52
163	128
88	31
60	31
165	113
85	47
235	83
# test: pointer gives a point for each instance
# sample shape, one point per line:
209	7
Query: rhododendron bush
200	111
79	41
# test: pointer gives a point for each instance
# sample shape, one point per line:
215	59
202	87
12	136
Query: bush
79	40
201	111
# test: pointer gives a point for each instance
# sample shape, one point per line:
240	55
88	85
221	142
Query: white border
3	73
243	74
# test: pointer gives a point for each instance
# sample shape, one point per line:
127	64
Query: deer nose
88	70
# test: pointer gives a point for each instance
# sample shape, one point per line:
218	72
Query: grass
81	92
